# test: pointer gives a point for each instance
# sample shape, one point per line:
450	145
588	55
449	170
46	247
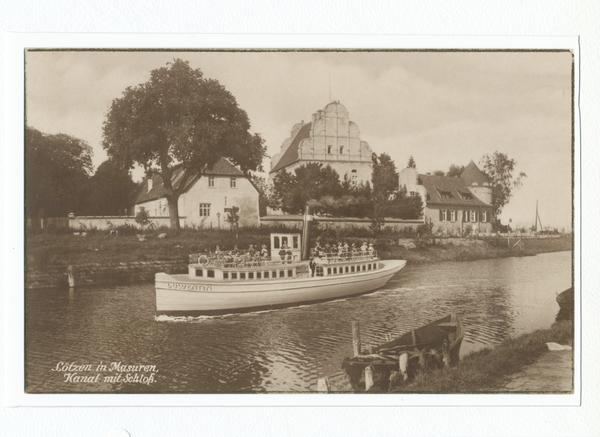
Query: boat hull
180	294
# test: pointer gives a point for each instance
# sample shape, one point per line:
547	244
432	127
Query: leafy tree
57	168
439	173
312	181
406	207
264	194
385	185
233	218
142	217
499	169
179	119
411	163
110	190
455	170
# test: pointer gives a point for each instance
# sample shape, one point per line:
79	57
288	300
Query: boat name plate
191	287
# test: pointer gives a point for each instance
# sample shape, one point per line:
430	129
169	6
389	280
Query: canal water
284	350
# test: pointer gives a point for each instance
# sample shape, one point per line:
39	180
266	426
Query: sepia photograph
300	221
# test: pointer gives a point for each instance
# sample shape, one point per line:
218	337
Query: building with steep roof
330	138
453	205
206	199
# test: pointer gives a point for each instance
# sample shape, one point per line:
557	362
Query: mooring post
323	385
356	338
403	365
71	273
369	377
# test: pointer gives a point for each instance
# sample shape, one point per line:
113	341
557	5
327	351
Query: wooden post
356	338
369	378
323	385
403	365
71	273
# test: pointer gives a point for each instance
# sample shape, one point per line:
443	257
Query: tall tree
179	119
312	181
455	170
499	169
111	190
411	162
264	193
385	185
57	168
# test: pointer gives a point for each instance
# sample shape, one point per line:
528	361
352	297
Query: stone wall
86	223
337	222
99	274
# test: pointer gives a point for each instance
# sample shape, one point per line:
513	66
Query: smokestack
306	228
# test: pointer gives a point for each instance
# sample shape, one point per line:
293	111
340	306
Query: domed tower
478	183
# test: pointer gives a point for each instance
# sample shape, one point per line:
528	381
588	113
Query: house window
211	182
484	216
354	180
204	210
466	196
445	194
233	183
443	215
341	149
473	216
329	149
453	215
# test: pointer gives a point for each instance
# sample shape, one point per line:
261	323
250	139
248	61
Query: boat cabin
284	262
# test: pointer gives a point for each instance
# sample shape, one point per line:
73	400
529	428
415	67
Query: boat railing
237	261
342	257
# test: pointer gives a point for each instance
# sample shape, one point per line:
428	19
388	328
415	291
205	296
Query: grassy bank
46	248
486	370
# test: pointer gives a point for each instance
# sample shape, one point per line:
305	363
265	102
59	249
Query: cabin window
346	269
369	268
210	273
329	270
276	242
295	242
233	275
211	182
242	275
258	275
233	183
352	269
273	275
284	240
282	273
225	275
335	270
250	275
290	273
364	267
204	210
199	272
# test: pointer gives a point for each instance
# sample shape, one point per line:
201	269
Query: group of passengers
250	253
341	250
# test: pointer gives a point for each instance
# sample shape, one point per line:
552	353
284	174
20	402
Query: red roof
291	154
222	168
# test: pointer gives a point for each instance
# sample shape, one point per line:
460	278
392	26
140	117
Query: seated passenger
364	247
264	252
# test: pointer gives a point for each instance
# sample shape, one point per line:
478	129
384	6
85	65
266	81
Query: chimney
314	117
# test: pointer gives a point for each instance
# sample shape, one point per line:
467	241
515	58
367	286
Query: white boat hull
179	293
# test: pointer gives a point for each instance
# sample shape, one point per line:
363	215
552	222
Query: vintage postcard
210	218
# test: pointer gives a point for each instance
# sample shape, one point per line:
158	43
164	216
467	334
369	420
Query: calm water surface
280	350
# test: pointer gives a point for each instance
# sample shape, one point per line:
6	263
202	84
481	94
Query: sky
442	108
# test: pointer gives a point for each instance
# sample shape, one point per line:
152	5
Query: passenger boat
218	283
566	299
433	345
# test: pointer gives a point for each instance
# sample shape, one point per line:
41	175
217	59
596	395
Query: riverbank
47	249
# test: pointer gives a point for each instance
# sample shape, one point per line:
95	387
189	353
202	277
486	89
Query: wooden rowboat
566	299
433	345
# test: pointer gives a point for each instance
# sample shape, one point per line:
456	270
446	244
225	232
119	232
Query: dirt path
553	372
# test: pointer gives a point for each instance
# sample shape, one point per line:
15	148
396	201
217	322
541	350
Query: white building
330	138
206	200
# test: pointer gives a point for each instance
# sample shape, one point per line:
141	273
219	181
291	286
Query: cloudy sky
440	107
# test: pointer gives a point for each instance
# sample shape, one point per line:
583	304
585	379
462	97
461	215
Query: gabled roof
222	168
291	154
455	186
471	174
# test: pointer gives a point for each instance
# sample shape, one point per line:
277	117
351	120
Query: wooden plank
356	338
